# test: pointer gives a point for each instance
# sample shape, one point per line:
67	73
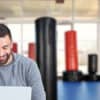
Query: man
17	70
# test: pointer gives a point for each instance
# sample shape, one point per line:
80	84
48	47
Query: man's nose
1	52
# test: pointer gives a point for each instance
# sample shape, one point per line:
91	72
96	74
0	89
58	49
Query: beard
5	59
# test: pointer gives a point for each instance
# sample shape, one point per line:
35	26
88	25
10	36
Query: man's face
5	49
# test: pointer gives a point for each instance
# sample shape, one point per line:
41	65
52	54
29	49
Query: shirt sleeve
34	80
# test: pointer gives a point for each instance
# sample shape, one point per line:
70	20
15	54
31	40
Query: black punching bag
46	54
92	66
92	63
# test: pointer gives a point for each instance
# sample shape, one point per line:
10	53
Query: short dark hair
4	30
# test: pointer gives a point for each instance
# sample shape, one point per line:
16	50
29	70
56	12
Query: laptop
15	93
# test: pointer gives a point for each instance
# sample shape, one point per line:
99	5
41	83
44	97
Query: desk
78	90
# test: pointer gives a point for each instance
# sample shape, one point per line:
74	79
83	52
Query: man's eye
5	48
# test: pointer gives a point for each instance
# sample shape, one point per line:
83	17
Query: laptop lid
15	93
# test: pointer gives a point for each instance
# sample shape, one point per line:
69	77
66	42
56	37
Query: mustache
4	55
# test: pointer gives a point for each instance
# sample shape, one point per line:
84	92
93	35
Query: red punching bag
31	51
71	51
15	47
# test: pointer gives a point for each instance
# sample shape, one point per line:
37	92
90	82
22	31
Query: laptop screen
15	93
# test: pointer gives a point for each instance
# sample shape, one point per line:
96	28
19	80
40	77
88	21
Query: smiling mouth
2	58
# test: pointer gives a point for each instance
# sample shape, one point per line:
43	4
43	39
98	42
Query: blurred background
81	15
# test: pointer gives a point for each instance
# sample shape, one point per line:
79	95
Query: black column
46	54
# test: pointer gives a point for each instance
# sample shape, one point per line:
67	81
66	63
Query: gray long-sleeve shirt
23	72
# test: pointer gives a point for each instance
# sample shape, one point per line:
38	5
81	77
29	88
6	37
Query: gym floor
78	90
